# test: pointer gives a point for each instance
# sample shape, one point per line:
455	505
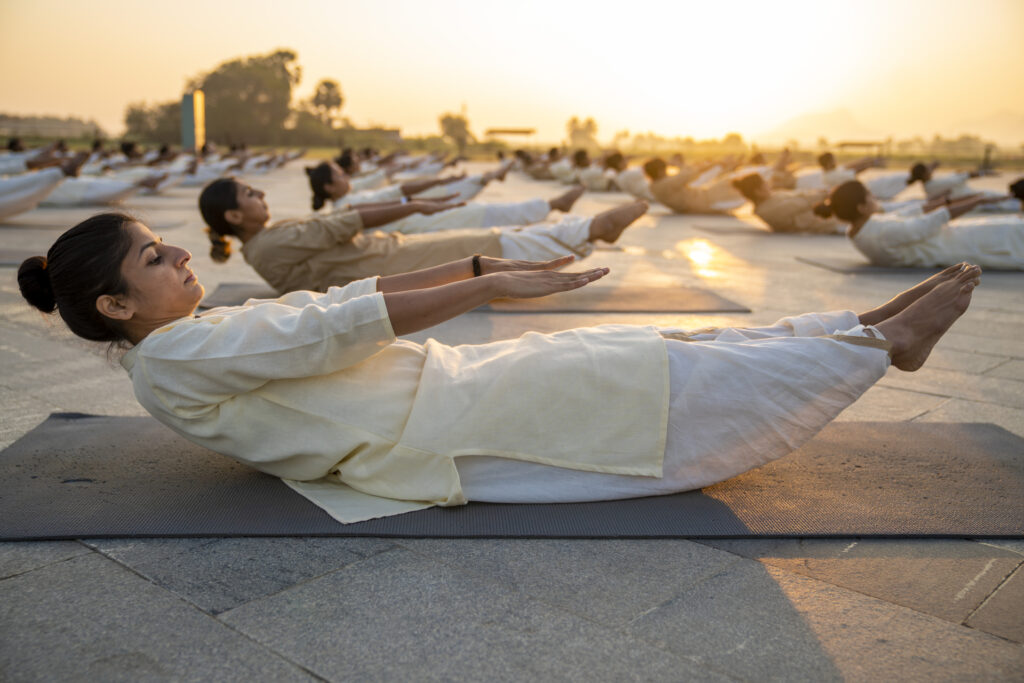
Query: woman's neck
856	225
247	231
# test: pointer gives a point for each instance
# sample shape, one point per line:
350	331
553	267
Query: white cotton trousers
22	193
465	189
739	398
473	215
548	240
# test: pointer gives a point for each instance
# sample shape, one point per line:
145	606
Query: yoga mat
80	476
237	293
745	229
854	266
14	257
622	298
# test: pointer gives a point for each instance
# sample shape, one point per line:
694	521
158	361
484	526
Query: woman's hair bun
35	285
309	170
824	209
220	247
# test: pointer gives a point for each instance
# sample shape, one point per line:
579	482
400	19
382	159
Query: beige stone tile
959	410
882	404
1011	369
958	385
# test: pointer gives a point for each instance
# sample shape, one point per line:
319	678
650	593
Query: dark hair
615	160
81	266
1017	189
319	178
14	145
128	149
219	196
826	159
345	160
655	167
757	158
918	171
748	185
580	156
843	201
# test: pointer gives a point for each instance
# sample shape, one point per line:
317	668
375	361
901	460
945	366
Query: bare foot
915	330
565	201
904	299
608	225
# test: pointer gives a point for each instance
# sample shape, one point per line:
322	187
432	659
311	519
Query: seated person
319	388
330	183
682	194
325	250
787	210
919	238
955	185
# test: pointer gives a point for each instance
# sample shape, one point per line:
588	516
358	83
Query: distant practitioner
683	193
924	239
955	185
325	250
330	184
787	210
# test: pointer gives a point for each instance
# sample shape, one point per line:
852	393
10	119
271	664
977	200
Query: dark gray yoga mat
618	299
78	476
733	229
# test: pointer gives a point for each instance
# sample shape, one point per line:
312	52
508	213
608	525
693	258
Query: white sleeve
203	362
332	295
908	229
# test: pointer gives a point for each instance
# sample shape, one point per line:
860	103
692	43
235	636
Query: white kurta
634	181
464	190
564	171
13	163
313	386
370	181
887	185
595	178
22	193
916	239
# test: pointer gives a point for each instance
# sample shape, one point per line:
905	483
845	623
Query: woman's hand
490	264
527	284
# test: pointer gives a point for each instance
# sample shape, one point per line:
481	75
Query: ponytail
319	177
219	196
824	209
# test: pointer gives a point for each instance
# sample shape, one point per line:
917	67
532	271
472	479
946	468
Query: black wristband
476	265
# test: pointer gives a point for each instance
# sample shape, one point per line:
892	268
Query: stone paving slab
401	616
1003	613
758	622
607	581
958	410
219	574
882	404
1012	369
88	619
18	558
955	384
945	578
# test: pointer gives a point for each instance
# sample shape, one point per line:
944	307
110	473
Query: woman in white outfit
330	184
915	237
324	250
318	389
954	185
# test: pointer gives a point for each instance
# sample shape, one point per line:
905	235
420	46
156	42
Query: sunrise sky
897	67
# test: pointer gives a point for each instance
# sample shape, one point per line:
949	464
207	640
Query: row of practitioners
49	177
954	222
319	388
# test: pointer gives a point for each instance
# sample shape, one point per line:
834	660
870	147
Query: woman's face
339	185
250	202
161	285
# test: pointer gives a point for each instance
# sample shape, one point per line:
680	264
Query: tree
248	99
582	134
327	100
159	123
455	128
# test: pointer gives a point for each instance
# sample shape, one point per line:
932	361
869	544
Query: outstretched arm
376	215
415	310
456	271
863	164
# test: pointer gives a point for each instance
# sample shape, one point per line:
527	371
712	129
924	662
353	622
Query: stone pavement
434	609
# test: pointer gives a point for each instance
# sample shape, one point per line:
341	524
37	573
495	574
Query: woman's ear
116	307
233	216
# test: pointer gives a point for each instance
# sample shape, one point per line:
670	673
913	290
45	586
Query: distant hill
833	125
1005	128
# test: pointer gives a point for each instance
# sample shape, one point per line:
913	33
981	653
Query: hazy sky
677	67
